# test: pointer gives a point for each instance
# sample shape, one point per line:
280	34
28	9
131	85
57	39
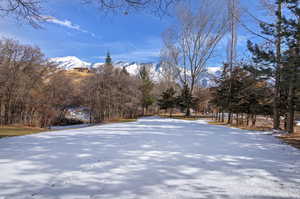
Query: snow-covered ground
75	126
152	158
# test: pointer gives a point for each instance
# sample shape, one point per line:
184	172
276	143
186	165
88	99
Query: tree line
30	91
36	92
268	84
265	85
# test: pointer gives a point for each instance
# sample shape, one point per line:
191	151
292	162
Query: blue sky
82	31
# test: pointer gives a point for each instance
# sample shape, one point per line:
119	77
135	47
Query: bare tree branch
31	11
197	35
28	11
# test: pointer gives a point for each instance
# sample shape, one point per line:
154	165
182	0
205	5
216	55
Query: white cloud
67	24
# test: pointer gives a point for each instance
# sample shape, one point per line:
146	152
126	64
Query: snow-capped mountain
134	67
206	80
131	67
71	62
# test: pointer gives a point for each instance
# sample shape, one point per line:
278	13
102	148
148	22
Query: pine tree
108	60
272	56
254	95
146	88
250	94
221	92
291	34
168	100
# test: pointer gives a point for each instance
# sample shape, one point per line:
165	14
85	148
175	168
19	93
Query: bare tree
168	73
23	70
195	38
111	93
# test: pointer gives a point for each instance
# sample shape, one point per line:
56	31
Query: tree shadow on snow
150	158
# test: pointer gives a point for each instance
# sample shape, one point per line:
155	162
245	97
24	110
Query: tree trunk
285	122
229	118
247	119
188	111
242	119
222	120
292	87
291	104
276	99
171	111
253	120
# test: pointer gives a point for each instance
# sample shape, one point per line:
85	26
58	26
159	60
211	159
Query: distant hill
71	62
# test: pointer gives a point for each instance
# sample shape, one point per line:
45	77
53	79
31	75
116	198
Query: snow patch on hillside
70	62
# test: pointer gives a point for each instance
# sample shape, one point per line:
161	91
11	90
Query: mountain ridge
72	62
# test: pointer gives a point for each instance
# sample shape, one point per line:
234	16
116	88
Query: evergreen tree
250	94
272	56
168	100
220	93
291	35
108	60
185	100
145	88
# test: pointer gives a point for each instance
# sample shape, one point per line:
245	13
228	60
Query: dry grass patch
180	116
251	128
119	121
15	130
76	76
255	128
291	139
216	123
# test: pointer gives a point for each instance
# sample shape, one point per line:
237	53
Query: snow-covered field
152	158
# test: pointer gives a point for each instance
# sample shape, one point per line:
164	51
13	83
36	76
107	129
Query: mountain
71	62
134	67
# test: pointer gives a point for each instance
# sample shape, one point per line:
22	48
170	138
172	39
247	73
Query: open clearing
151	158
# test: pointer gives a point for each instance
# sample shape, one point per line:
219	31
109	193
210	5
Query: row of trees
285	33
269	85
174	99
246	92
31	92
111	93
36	92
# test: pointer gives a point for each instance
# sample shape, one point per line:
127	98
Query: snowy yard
152	158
